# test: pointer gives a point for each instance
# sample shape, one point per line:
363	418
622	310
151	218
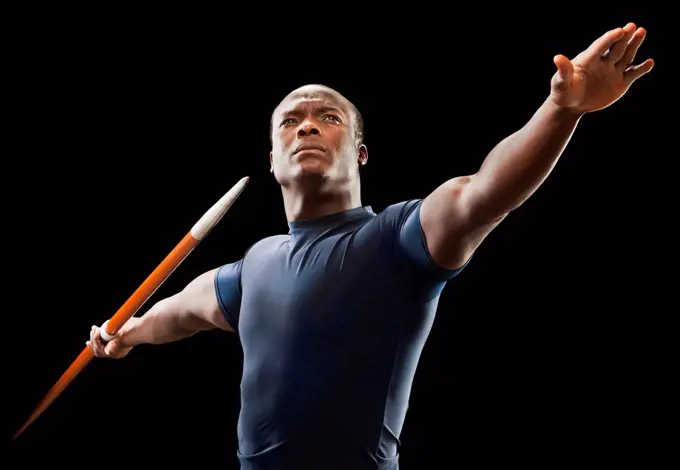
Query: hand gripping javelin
111	327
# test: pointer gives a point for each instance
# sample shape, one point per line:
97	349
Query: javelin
111	327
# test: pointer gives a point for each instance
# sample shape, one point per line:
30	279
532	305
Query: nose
308	128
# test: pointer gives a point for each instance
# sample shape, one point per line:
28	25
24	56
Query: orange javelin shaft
198	232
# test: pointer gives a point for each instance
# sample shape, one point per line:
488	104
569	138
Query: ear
363	155
271	162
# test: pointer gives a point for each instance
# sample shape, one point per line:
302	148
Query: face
313	136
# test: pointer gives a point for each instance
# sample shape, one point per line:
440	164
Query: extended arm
459	214
184	314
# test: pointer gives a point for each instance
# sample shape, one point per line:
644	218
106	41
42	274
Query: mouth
303	147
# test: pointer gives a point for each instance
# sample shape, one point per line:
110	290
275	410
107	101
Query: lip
303	147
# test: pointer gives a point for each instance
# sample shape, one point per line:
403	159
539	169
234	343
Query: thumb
565	72
113	347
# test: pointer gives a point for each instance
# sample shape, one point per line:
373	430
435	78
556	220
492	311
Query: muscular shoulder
264	248
394	215
401	227
228	279
388	224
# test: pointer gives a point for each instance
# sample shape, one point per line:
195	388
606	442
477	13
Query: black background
544	350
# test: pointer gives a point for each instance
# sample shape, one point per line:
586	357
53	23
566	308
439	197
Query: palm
601	74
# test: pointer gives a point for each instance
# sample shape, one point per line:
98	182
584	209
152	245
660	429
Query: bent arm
459	214
182	315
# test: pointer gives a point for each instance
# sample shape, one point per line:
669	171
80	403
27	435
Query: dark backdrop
541	349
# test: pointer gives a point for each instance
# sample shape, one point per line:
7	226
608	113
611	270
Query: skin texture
456	217
316	154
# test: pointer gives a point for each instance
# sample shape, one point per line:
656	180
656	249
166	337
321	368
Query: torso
332	322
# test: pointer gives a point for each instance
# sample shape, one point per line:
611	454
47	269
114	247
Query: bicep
200	299
451	226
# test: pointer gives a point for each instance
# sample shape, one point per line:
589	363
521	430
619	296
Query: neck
307	205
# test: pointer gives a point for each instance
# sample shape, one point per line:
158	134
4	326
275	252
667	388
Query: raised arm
459	214
182	315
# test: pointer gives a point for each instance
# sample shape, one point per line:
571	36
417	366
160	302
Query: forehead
314	98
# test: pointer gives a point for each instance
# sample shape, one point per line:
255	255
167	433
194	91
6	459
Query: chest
327	285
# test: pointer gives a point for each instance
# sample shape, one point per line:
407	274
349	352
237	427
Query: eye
287	121
332	117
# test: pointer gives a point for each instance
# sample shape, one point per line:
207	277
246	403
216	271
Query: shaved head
325	94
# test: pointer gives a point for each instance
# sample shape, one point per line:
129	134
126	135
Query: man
333	316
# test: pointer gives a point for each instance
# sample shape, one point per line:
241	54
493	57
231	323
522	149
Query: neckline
331	219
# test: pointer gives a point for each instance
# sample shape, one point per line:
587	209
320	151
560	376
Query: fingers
628	56
619	47
565	71
637	71
604	42
100	347
112	349
96	342
616	51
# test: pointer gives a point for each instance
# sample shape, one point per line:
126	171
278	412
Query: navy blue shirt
332	319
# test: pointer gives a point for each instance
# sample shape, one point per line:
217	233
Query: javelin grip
106	336
111	327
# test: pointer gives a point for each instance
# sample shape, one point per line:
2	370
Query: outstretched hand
601	74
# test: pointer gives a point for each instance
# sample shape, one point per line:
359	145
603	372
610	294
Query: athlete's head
317	135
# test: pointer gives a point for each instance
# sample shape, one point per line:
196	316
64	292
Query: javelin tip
217	211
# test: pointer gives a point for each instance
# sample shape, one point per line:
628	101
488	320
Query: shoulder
265	247
401	227
228	278
391	220
257	252
396	214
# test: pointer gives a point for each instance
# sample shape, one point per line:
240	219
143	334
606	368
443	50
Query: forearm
520	163
165	322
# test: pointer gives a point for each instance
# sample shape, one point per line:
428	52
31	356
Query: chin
312	167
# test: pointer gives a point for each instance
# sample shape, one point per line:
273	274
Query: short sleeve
410	241
228	288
